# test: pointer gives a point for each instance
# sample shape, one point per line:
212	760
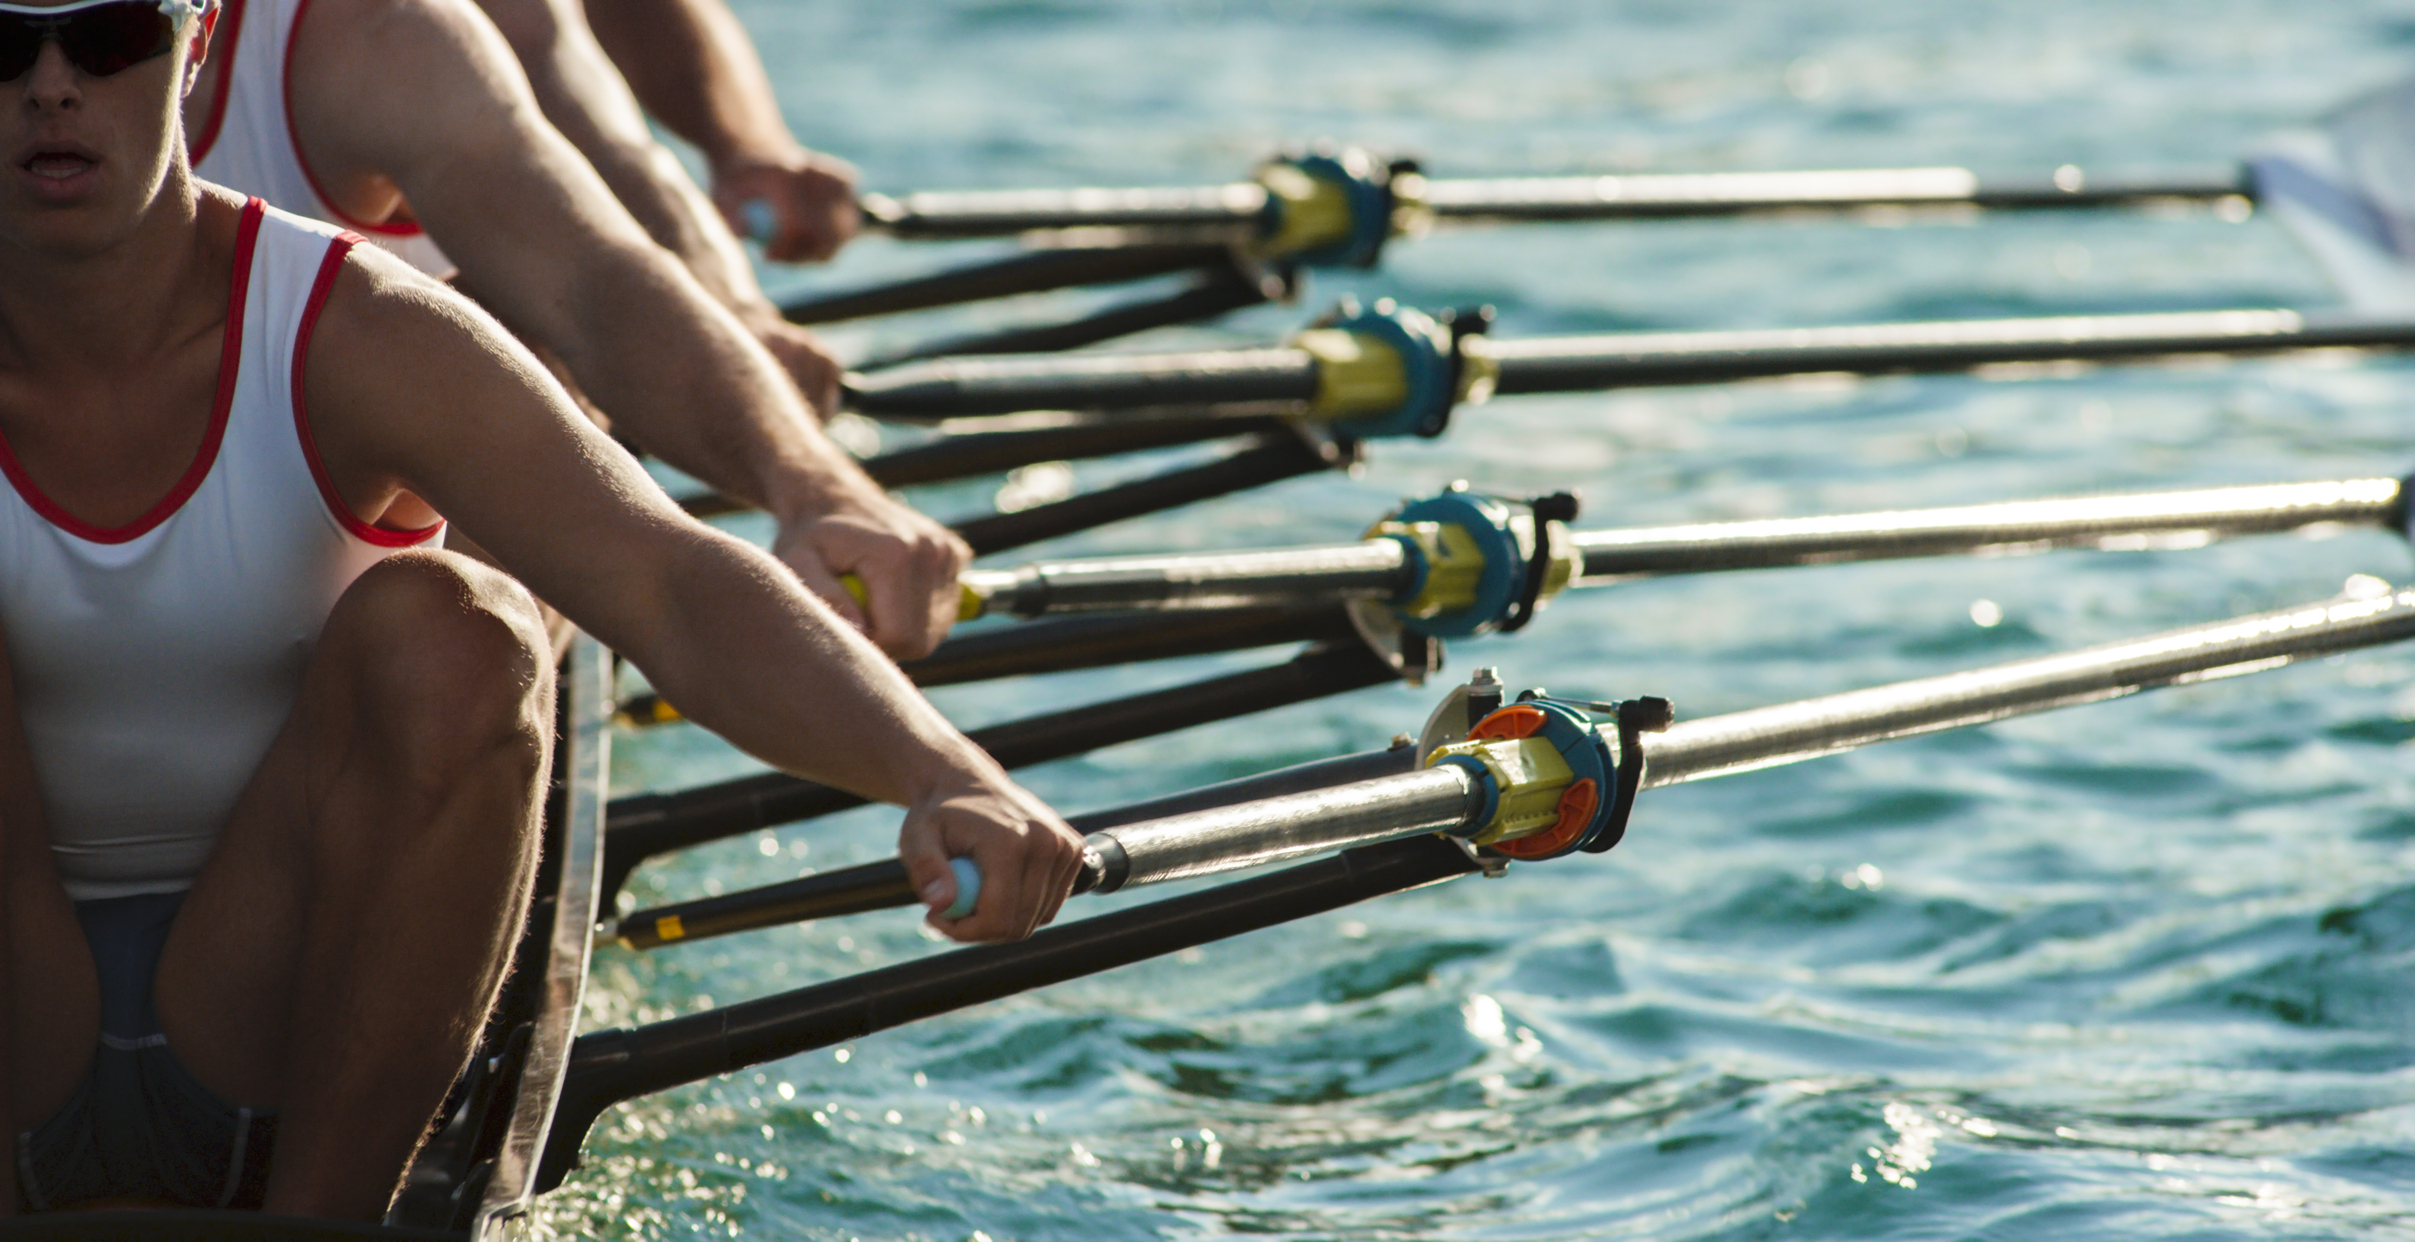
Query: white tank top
156	661
247	142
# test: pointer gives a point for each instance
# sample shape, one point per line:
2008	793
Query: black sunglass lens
20	46
109	38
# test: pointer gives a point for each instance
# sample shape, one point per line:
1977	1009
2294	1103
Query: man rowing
410	121
271	759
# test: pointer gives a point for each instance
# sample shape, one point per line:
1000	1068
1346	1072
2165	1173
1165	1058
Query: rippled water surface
2132	970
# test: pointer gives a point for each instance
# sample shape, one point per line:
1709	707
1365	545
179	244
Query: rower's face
86	154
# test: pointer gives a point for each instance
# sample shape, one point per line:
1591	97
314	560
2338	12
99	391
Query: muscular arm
424	93
585	98
412	389
693	66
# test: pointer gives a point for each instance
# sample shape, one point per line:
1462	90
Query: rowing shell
475	1179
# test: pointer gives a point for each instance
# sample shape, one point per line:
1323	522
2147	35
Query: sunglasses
100	37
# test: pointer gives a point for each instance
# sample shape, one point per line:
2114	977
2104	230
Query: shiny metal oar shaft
944	214
1671	195
1254	834
2161	519
1369	569
1790	732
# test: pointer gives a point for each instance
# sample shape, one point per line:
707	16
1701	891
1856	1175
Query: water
2130	970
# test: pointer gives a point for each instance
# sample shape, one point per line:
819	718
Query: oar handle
762	220
968	888
970	604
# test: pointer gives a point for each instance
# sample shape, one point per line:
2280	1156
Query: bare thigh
54	998
410	747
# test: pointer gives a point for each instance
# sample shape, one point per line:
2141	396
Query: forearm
682	377
582	95
693	67
817	701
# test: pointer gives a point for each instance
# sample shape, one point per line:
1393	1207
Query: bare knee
443	656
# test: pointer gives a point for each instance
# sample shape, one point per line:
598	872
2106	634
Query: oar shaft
1239	210
1022	273
1369	569
1669	195
957	387
1630	360
883	885
941	215
1271	830
1790	732
1387	569
1291	380
2170	519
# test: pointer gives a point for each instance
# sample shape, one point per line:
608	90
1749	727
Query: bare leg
339	953
46	973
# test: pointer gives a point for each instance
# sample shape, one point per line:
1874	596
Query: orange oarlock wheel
1508	724
1577	804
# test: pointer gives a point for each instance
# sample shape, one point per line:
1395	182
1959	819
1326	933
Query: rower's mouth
59	161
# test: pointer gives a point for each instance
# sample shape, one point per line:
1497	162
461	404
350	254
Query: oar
1339	207
1392	371
1460	565
1515	785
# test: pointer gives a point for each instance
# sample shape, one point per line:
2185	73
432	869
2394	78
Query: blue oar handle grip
968	888
762	220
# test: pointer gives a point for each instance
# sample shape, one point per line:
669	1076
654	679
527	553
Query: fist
906	563
800	205
1027	855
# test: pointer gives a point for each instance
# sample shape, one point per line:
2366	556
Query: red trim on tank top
230	359
328	267
401	228
228	34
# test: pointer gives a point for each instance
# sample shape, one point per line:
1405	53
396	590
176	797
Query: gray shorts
138	1126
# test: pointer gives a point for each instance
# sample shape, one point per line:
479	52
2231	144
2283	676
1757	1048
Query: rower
408	121
692	66
271	758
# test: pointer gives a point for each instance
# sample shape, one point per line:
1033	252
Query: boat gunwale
587	686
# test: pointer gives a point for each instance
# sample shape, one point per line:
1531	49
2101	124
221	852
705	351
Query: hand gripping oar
1515	775
1394	371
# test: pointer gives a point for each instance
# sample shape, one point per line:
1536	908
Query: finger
993	918
925	856
1041	896
1063	846
818	578
1060	886
905	605
796	242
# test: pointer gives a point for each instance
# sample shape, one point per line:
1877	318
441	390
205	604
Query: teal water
2139	969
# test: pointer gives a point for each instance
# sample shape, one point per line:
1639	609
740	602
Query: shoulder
414	64
386	334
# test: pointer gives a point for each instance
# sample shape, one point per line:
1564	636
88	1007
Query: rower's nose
53	83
